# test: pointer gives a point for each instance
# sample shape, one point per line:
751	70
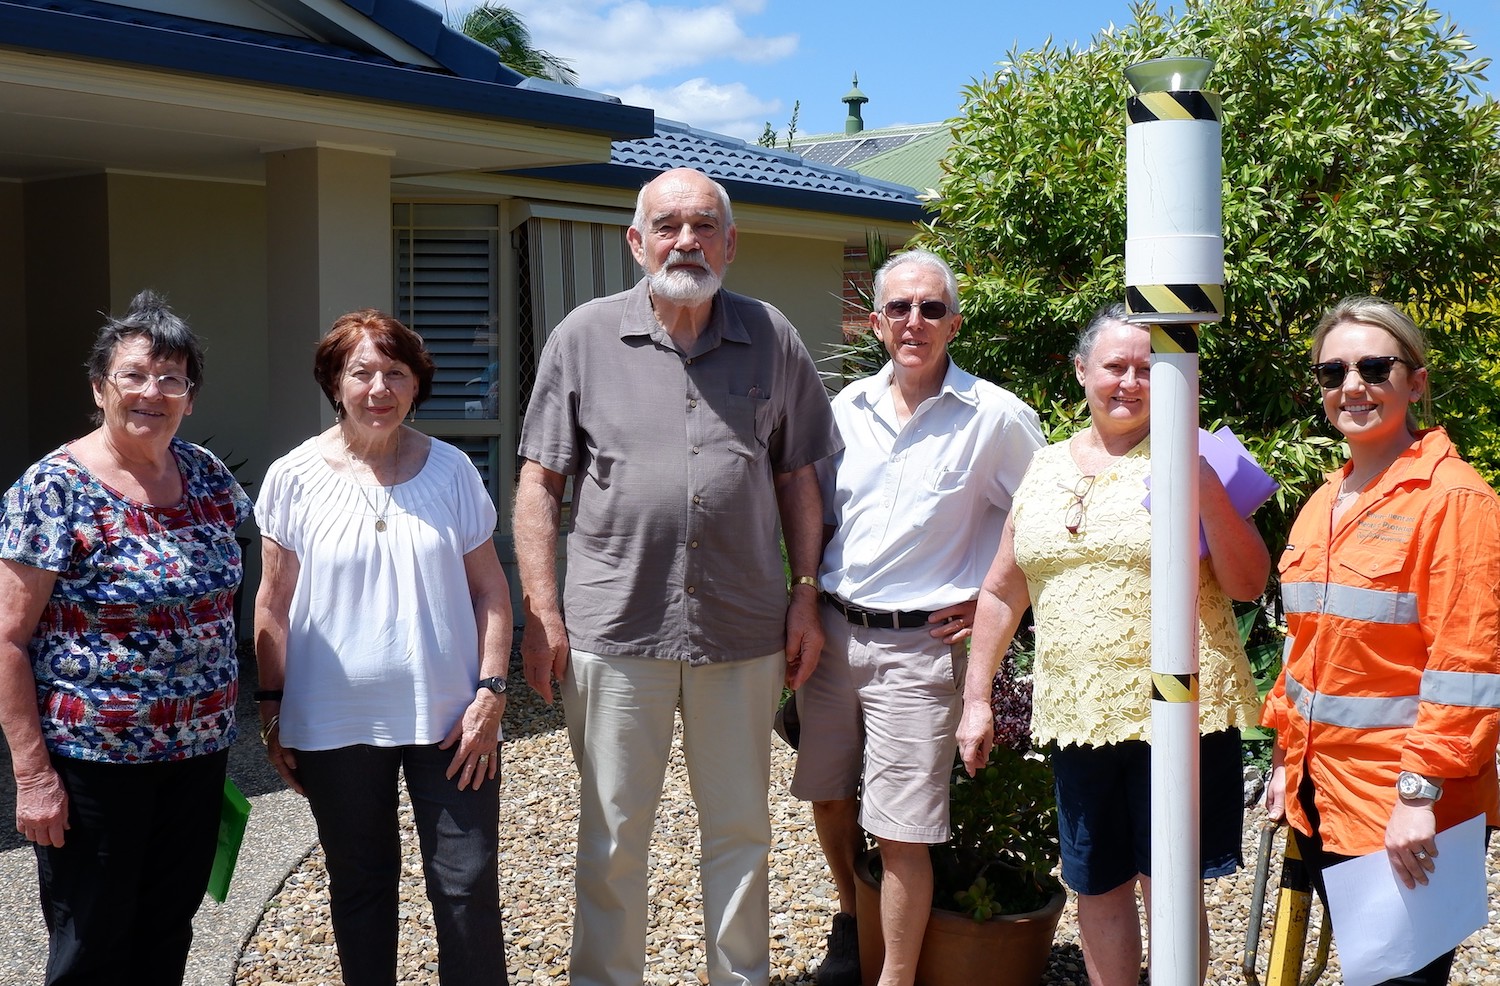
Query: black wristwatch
495	684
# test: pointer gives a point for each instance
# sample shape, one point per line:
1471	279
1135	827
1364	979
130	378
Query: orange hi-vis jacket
1392	657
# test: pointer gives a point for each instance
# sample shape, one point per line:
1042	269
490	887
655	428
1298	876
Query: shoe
841	967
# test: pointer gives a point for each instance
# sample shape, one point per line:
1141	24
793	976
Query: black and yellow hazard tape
1174	687
1175	299
1174	338
1149	107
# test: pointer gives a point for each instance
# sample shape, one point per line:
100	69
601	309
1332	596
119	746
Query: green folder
234	813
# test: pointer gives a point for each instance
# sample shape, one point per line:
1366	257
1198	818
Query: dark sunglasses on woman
1371	369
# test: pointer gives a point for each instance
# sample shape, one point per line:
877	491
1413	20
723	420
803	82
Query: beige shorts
879	718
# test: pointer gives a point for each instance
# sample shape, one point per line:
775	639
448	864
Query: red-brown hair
392	339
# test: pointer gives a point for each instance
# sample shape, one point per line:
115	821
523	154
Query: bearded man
690	419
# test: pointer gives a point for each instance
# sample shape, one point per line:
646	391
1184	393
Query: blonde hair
1411	341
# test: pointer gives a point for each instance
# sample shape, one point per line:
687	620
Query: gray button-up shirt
674	544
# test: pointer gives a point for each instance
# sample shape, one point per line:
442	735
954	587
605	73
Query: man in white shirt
915	504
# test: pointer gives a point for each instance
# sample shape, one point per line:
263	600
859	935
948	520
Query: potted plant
996	903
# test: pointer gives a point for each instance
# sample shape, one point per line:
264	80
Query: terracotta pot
1008	950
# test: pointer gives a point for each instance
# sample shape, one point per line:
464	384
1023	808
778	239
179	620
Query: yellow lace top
1091	596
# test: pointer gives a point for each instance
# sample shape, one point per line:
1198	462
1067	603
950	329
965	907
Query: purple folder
1247	484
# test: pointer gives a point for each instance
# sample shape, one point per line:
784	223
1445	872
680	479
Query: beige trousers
620	713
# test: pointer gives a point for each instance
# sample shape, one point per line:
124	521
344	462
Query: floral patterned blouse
1085	547
134	654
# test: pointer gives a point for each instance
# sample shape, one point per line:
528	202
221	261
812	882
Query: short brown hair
392	339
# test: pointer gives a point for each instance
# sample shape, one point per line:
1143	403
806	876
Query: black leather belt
879	619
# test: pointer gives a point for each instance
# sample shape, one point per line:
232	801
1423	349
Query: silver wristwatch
1413	787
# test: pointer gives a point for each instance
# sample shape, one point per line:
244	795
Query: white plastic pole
1174	277
1175	898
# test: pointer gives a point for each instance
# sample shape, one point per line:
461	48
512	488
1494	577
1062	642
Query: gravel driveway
281	875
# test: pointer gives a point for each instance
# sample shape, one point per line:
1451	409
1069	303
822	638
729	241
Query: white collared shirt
917	509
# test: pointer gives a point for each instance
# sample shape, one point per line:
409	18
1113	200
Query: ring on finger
484	758
1421	854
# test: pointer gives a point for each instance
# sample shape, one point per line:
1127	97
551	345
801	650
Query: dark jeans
353	795
1316	858
119	895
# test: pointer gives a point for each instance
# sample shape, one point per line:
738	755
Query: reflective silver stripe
1302	597
1352	711
1350	602
1461	688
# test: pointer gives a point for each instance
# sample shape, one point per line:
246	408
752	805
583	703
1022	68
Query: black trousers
1434	973
119	895
353	795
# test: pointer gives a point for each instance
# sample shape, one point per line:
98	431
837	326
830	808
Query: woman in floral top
118	679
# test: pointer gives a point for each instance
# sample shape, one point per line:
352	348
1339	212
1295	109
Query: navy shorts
1104	810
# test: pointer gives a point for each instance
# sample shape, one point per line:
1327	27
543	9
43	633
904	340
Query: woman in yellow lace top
1077	548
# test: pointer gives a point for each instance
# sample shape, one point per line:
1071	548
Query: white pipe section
1173	214
1175	890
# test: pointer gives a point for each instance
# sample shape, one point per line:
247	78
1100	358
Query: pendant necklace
390	494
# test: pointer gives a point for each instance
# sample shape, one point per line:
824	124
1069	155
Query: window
448	285
485	300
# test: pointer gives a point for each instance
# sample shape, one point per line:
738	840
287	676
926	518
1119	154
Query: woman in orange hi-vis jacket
1386	711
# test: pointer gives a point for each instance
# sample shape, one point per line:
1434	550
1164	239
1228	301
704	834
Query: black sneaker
841	967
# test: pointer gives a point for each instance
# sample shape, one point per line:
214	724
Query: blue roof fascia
752	174
422	27
236	54
741	192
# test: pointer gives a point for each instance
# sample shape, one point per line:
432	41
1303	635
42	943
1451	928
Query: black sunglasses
1372	370
931	310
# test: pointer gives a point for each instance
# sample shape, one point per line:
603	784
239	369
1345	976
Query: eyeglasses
136	382
898	310
1073	519
1372	370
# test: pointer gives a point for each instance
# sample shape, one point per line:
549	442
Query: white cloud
727	109
618	46
611	43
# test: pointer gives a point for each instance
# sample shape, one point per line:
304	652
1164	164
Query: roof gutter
56	32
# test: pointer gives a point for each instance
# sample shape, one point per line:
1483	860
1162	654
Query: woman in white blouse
382	632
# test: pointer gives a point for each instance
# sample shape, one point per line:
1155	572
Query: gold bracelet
811	580
265	730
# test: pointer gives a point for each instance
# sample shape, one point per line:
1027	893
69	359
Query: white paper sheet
1384	930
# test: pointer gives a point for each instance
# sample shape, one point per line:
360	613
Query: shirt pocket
748	424
929	504
1373	596
942	481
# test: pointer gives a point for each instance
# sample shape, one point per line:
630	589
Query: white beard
684	285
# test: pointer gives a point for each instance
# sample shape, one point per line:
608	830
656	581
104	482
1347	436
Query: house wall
14	396
66	287
801	277
203	246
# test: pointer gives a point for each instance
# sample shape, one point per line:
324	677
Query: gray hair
925	260
726	217
148	316
1104	317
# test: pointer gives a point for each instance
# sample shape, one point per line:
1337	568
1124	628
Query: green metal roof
917	163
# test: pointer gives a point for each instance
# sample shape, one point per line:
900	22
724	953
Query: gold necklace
390	494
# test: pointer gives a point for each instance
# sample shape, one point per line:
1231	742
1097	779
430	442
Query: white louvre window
448	289
485	306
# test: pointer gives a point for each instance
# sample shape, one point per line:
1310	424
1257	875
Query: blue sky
733	65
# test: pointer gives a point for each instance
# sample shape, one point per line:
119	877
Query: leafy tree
767	136
498	27
1358	158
